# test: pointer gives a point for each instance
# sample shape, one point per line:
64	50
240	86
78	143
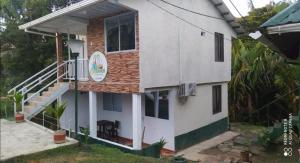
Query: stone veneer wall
123	67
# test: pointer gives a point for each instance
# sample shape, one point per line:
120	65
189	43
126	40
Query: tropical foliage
23	51
17	98
264	86
56	111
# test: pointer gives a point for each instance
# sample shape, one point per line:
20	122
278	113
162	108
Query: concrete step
39	103
55	88
57	84
33	103
40	98
47	93
28	108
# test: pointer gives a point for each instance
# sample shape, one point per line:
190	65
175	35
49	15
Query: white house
159	68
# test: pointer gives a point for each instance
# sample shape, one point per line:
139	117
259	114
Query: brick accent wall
123	67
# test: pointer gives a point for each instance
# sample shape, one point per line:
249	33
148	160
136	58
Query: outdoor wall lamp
76	47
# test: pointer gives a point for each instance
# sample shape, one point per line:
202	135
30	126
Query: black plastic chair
114	131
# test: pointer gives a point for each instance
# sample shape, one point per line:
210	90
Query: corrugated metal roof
287	16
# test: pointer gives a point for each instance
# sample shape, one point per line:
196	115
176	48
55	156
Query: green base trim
201	134
150	151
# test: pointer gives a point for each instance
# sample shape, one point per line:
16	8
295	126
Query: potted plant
179	159
57	111
245	154
162	142
17	99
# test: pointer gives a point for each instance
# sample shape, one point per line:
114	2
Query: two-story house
158	68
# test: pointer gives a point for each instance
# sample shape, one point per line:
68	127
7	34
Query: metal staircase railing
47	77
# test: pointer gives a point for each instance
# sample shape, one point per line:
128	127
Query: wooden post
59	55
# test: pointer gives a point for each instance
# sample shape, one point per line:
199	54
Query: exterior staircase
38	103
43	88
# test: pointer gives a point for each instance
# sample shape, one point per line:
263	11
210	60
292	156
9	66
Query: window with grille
217	99
219	47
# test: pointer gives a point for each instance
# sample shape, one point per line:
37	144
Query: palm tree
258	78
17	99
251	4
56	112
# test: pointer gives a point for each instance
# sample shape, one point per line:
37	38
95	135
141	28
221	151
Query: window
219	47
112	102
157	104
217	98
120	32
150	99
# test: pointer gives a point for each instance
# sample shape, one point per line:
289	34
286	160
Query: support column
59	53
137	121
93	113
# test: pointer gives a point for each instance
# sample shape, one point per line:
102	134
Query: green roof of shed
287	16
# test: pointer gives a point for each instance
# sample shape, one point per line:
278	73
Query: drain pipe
38	33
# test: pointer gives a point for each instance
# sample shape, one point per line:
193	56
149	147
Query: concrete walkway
25	138
194	153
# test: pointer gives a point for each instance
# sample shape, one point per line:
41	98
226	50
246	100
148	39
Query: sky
243	6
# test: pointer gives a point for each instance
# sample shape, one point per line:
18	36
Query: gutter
287	28
38	33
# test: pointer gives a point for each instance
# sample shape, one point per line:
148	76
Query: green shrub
6	108
265	138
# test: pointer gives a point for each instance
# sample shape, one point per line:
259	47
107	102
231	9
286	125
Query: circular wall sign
98	66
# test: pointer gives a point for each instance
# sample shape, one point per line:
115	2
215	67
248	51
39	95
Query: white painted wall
156	128
125	117
170	47
68	118
197	111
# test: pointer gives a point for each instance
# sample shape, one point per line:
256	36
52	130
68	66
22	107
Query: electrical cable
184	20
236	9
194	12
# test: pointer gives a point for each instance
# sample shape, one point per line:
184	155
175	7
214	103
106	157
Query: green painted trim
150	151
201	134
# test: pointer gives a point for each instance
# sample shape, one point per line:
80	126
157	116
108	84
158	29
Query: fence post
23	100
15	105
44	118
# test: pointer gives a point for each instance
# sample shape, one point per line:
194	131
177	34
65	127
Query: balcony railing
82	65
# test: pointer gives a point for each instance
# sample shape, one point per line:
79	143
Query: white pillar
137	121
93	113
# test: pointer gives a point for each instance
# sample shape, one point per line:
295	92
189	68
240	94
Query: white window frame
221	98
135	36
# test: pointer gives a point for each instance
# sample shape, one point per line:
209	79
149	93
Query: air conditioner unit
187	89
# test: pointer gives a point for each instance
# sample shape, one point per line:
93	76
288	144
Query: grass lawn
74	153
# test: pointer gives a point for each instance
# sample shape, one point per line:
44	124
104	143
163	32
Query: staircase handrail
49	84
19	85
45	76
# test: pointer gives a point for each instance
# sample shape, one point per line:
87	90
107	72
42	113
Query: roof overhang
227	15
287	28
284	39
75	18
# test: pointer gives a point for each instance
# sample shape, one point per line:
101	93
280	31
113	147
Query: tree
263	85
24	54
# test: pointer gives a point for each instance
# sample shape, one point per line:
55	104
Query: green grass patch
76	153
